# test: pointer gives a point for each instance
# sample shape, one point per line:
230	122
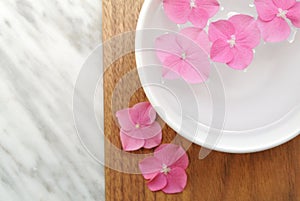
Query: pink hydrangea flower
234	40
273	17
166	169
196	11
138	127
184	55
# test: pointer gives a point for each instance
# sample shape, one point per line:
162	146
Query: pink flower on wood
166	169
196	11
138	127
234	40
184	55
274	16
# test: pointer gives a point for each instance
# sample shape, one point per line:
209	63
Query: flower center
165	169
282	13
231	41
137	125
193	4
183	56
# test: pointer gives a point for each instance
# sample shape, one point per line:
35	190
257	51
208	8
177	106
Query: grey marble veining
42	47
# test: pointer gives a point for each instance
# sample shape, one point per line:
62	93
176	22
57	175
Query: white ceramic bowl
235	111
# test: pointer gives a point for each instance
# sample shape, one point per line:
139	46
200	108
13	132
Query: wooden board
272	175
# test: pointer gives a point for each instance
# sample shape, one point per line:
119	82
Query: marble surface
42	47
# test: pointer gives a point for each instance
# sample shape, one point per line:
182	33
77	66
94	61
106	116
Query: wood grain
271	175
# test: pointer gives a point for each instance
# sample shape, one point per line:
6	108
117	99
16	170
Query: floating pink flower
196	11
273	16
138	127
184	55
166	169
234	40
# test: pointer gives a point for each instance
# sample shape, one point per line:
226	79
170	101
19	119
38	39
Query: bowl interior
258	102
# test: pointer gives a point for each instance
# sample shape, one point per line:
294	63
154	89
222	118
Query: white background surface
42	47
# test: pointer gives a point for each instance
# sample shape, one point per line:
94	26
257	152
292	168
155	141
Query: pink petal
247	31
221	29
158	182
167	46
153	142
182	162
196	76
242	58
172	66
151	175
266	9
197	66
125	120
294	15
210	6
177	10
199	36
185	43
172	62
192	75
143	113
129	143
193	70
276	30
284	4
198	17
221	51
168	51
146	132
176	181
242	22
296	23
170	74
150	167
169	154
